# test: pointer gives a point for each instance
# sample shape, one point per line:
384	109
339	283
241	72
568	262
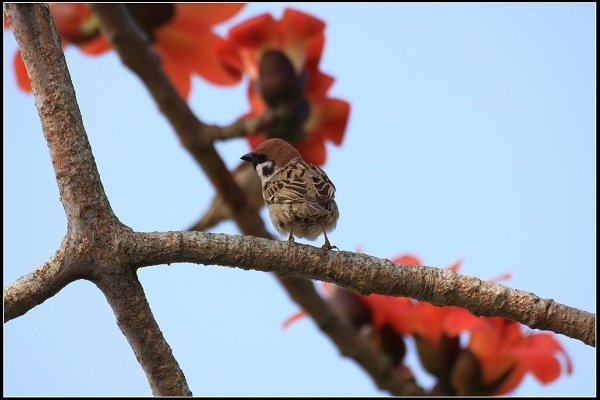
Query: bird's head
270	155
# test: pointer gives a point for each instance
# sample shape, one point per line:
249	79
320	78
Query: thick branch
128	301
366	274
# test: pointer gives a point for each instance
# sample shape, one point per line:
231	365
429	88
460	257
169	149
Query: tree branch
128	301
240	128
365	274
94	233
36	287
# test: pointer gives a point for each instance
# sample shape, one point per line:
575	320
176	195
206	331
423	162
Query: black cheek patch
267	170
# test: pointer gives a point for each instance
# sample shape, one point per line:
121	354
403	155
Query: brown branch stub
36	287
366	274
241	127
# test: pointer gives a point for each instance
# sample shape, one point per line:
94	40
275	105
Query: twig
241	127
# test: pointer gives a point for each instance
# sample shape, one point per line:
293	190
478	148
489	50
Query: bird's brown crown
278	150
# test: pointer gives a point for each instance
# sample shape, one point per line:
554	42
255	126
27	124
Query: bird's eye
260	158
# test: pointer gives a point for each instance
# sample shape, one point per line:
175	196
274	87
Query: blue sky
471	135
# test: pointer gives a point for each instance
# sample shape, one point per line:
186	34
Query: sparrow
298	195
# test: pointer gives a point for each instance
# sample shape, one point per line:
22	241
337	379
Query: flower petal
313	150
255	33
297	29
256	139
314	48
96	46
503	277
177	73
197	53
6	22
460	320
293	318
504	365
544	366
549	343
296	25
257	105
229	59
406	259
328	120
21	73
318	84
455	266
68	18
192	16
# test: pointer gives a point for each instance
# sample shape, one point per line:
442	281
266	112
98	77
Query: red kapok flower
409	316
180	33
187	45
290	84
74	24
499	353
504	351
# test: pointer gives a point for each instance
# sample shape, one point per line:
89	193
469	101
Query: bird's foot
328	246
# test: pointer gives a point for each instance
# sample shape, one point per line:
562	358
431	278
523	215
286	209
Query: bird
299	196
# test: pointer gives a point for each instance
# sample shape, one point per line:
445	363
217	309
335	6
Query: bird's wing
322	187
299	182
287	185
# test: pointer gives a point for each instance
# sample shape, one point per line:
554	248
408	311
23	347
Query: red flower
404	315
75	24
299	37
180	34
409	316
498	355
398	312
187	45
505	352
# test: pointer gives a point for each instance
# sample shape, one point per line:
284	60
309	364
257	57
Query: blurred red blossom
282	58
180	33
498	355
506	351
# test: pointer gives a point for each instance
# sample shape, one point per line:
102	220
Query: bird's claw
328	246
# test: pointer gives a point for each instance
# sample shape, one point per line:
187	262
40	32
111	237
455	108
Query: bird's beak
248	157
